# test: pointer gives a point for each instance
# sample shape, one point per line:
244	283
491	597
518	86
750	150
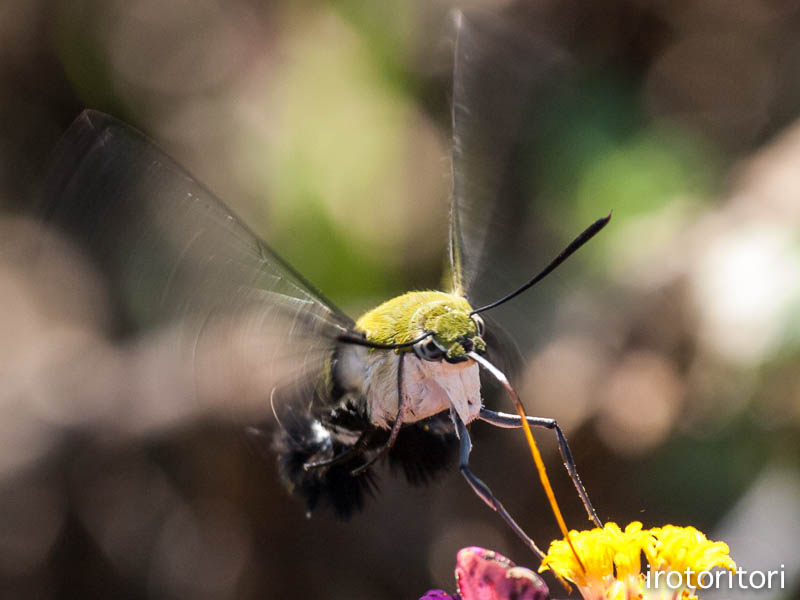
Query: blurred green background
669	349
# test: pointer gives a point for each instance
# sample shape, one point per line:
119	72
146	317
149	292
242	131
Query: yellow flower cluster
612	561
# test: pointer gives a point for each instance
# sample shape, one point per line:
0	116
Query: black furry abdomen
423	451
330	485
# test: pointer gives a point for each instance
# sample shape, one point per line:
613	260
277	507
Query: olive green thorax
407	317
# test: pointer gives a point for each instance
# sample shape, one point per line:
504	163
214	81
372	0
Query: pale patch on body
429	387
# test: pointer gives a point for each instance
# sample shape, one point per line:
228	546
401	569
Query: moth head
454	333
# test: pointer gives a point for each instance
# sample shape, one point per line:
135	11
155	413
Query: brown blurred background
669	350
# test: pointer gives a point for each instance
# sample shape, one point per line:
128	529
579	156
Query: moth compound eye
428	349
479	324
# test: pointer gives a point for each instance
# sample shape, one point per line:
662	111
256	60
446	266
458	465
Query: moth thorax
429	387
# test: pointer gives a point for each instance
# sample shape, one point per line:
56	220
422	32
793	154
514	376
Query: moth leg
509	421
483	490
343	455
398	423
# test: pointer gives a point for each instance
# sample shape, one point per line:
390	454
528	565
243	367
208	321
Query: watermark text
740	579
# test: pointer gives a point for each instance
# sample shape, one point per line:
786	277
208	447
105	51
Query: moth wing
507	86
501	79
174	257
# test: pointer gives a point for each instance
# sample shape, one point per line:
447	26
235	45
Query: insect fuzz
436	376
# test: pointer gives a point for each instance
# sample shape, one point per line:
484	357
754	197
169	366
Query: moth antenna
574	245
351	338
537	457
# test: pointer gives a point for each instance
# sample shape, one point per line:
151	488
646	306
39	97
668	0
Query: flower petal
439	595
486	575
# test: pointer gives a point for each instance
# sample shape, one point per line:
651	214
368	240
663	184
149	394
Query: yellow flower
612	561
682	548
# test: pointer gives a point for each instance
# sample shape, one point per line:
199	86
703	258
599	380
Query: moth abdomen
306	441
425	450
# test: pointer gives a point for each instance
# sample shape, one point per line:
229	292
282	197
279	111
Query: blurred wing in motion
500	75
174	255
